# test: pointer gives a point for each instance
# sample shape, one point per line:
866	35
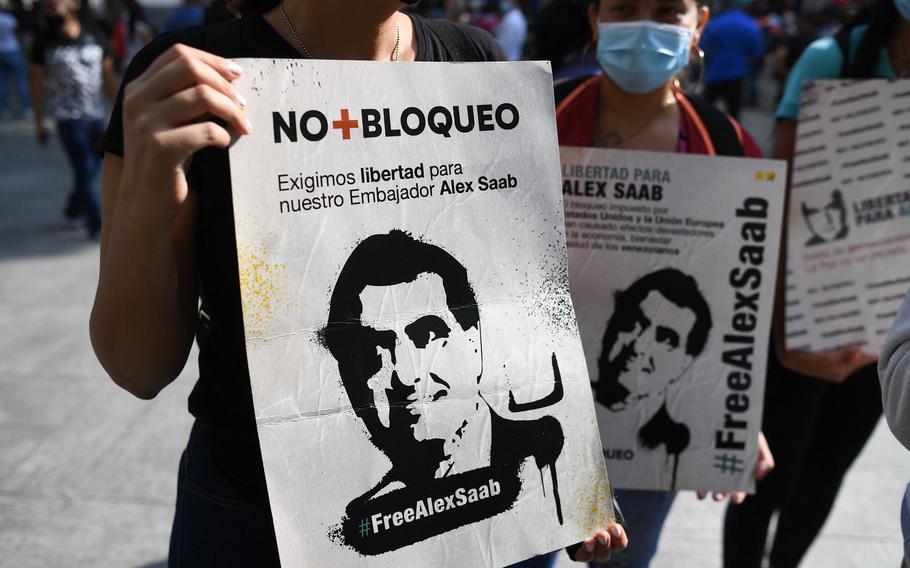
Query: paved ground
87	473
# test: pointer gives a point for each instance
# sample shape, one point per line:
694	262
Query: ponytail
882	18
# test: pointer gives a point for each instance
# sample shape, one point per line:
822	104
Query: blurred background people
732	44
70	70
512	30
562	36
132	29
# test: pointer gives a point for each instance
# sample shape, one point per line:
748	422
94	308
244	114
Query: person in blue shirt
190	15
732	42
12	66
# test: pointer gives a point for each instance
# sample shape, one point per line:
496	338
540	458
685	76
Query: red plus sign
345	124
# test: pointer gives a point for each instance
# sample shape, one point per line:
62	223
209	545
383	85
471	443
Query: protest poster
419	384
672	262
848	251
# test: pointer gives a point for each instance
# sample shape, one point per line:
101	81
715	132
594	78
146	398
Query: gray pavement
88	473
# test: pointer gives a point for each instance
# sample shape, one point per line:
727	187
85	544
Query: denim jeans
645	513
214	526
12	64
78	136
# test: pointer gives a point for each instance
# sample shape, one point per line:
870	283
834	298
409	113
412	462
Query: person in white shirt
512	30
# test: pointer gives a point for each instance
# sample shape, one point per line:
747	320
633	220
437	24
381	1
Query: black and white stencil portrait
415	384
659	326
848	258
672	264
826	222
418	378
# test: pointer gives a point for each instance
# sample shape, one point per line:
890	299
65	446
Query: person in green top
820	408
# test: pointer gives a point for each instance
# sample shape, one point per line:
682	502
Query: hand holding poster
418	380
673	261
848	254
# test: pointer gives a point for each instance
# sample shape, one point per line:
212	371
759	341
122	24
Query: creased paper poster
848	254
672	263
418	380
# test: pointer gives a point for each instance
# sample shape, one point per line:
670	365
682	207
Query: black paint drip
661	429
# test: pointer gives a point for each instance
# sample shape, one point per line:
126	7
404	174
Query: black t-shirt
221	399
73	87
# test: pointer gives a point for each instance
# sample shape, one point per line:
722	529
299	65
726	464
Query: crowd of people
820	408
747	37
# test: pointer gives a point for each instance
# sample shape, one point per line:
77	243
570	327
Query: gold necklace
306	51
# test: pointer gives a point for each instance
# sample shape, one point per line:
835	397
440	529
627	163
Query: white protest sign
848	252
672	263
418	380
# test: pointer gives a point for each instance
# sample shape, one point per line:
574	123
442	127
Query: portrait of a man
828	222
659	326
404	326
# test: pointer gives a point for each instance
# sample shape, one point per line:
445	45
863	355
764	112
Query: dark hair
395	258
679	288
882	18
560	30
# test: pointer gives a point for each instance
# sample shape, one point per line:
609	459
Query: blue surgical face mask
903	7
642	56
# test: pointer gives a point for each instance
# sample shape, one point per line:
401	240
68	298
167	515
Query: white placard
419	384
672	263
848	252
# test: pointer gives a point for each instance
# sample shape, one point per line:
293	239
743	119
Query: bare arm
833	366
145	305
144	313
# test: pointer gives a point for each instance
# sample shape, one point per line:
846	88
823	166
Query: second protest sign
673	261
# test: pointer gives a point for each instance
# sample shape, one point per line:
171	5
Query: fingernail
602	539
616	531
233	68
249	125
589	547
241	99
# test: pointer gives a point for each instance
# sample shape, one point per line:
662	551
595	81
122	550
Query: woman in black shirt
168	241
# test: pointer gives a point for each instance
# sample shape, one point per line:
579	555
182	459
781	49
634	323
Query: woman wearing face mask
168	241
70	69
820	408
642	45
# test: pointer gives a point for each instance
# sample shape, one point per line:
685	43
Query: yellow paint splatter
259	287
593	495
594	501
